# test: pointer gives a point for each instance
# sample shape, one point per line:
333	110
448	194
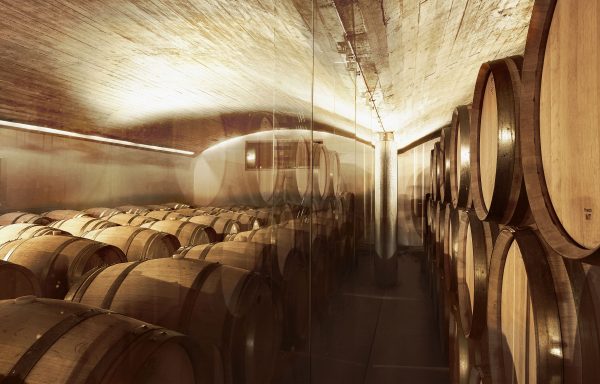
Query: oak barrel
158	207
247	222
137	243
460	158
525	342
450	245
215	304
445	148
222	226
22	217
63	214
189	234
102	212
497	186
559	125
80	225
164	215
436	171
130	219
26	231
133	209
59	261
52	341
292	260
17	281
174	205
253	257
475	242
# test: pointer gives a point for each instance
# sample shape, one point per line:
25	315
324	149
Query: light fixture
60	132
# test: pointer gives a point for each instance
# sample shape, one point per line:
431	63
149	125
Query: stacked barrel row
512	234
231	305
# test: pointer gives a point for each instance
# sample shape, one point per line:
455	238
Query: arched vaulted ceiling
188	73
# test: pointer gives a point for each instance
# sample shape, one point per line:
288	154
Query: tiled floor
372	335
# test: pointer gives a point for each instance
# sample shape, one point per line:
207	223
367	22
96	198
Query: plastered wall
40	172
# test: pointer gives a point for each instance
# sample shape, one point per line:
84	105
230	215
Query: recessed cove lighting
60	132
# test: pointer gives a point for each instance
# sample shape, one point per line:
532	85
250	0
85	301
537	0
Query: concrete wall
413	184
39	172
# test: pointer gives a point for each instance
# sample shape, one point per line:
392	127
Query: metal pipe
386	210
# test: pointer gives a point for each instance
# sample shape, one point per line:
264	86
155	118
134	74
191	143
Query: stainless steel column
386	210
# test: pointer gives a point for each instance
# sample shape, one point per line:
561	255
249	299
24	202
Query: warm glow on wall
60	132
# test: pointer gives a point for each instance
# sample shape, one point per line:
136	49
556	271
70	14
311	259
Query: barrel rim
542	208
460	190
508	195
546	316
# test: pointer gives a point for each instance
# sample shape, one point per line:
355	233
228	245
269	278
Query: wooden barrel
63	214
199	211
26	231
525	271
498	190
52	341
432	161
102	212
59	261
445	147
334	173
460	354
215	304
188	234
292	263
585	333
266	216
134	209
22	217
81	225
475	242
130	219
559	120
524	324
253	257
223	227
460	158
137	243
440	235
317	248
436	171
174	205
164	215
158	207
301	187
247	222
450	244
434	224
17	281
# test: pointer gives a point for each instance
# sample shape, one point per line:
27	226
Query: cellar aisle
373	335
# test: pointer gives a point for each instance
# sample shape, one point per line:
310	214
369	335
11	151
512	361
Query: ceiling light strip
60	132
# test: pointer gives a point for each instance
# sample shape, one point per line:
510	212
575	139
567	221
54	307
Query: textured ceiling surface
425	54
174	72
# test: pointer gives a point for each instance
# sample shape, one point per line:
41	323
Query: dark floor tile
407	335
408	375
347	332
294	369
